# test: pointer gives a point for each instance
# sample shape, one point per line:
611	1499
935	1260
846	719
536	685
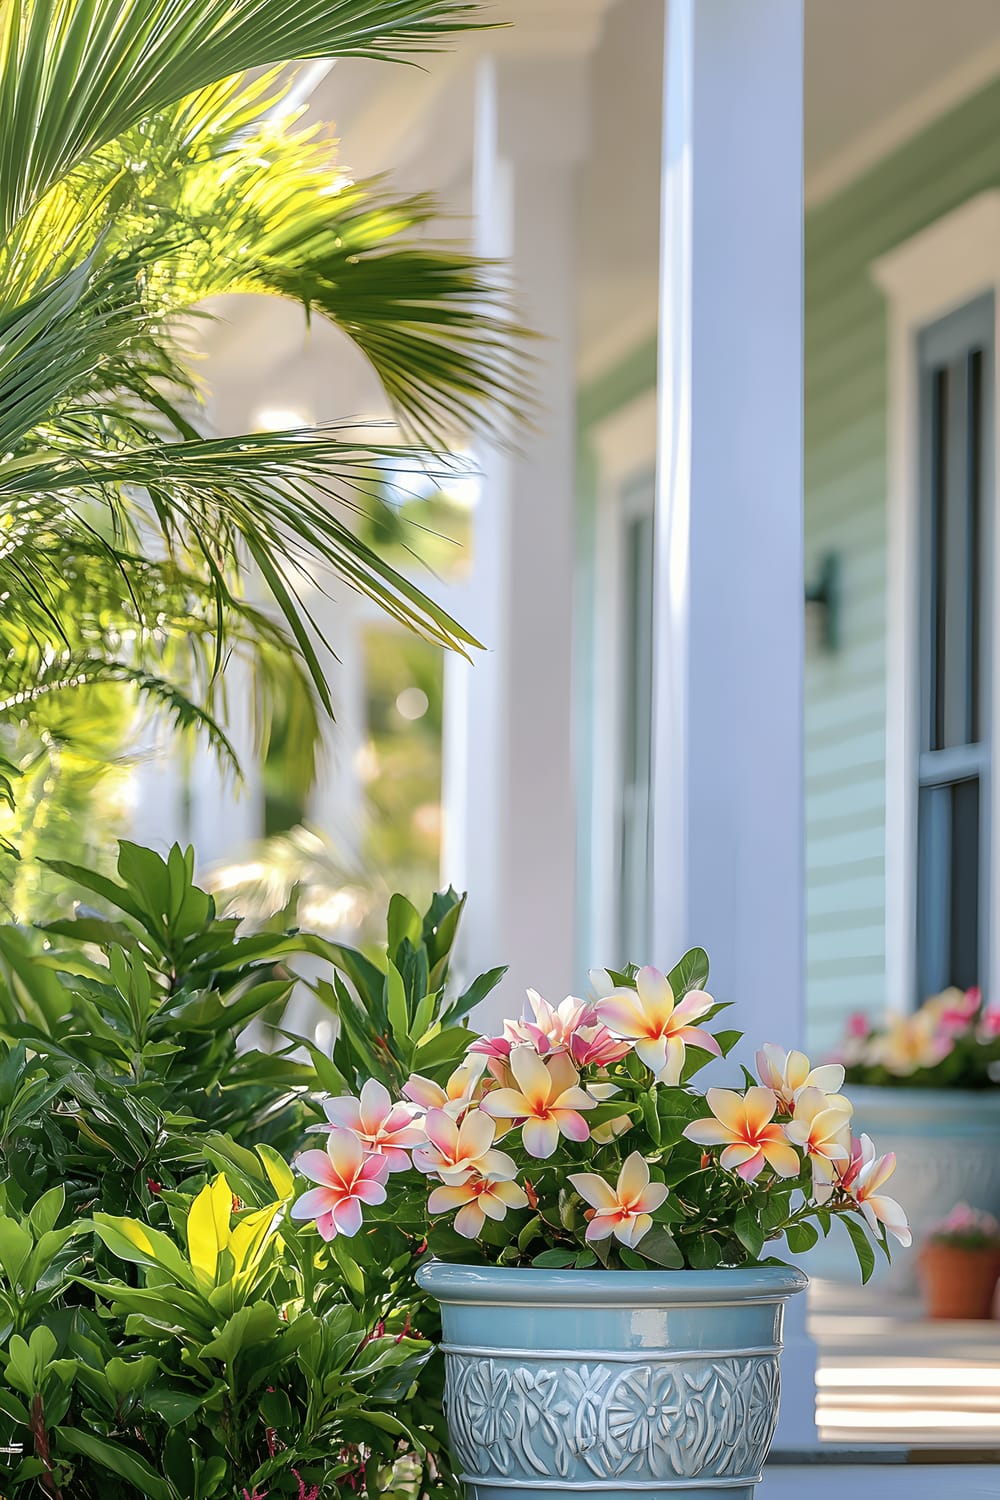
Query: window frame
951	339
938	272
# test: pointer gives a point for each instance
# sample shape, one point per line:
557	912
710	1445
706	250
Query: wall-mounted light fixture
824	594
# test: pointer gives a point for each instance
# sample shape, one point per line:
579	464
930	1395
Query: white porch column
337	800
509	776
227	814
728	788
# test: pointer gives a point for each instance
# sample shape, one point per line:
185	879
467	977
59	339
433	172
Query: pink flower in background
955	1017
547	1099
858	1025
989	1023
388	1129
347	1176
659	1029
742	1124
624	1210
457	1152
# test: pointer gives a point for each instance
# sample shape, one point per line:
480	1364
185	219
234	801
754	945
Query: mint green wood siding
845	423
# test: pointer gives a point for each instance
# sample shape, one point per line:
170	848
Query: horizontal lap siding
845	420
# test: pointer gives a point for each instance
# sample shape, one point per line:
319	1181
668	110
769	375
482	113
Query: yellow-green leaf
208	1225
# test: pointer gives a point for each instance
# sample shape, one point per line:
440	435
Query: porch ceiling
875	73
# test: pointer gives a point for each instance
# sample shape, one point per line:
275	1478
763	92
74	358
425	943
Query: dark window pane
956	412
948	887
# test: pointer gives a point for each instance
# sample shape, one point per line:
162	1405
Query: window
956	363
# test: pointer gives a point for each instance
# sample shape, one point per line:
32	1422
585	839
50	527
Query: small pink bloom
624	1210
348	1176
858	1025
492	1046
659	1030
594	1046
989	1023
387	1129
742	1124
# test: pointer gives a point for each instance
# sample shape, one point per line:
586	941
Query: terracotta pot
959	1283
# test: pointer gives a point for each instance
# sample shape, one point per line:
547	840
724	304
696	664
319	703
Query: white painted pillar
337	800
728	788
227	813
509	774
158	815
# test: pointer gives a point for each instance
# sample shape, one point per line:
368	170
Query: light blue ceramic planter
947	1145
616	1384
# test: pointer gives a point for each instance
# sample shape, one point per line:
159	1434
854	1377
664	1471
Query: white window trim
624	447
945	266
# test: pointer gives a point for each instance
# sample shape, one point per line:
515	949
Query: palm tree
152	158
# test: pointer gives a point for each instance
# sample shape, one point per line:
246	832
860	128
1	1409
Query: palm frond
76	74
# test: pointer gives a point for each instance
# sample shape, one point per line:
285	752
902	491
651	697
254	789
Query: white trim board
946	265
624	447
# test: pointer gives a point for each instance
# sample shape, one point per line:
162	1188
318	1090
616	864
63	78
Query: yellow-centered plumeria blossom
788	1073
477	1199
624	1210
462	1090
457	1152
911	1043
821	1126
548	1100
659	1029
742	1124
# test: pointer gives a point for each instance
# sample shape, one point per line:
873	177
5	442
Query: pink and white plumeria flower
788	1073
595	1046
624	1210
742	1124
659	1030
455	1152
387	1129
547	1100
476	1200
866	1175
347	1176
462	1090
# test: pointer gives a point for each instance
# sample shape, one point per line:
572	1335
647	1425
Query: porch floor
887	1375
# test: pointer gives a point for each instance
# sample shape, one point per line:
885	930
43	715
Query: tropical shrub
165	1330
576	1138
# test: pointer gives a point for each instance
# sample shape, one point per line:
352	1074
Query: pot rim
450	1281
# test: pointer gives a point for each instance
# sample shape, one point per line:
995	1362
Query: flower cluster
951	1041
967	1228
578	1122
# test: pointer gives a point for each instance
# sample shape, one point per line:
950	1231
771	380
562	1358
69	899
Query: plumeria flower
348	1176
867	1173
788	1073
477	1199
624	1210
659	1030
456	1152
547	1099
821	1127
743	1125
385	1128
594	1046
989	1023
912	1042
549	1028
458	1094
